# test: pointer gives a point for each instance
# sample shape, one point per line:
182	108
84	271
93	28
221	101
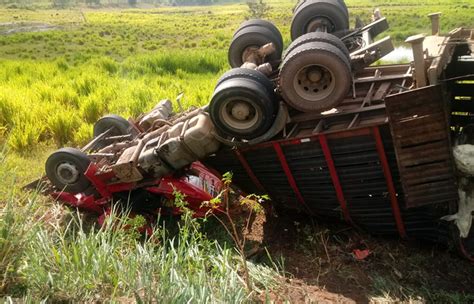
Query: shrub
257	9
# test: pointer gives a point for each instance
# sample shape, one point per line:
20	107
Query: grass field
56	82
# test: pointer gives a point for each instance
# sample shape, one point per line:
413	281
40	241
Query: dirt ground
8	28
320	265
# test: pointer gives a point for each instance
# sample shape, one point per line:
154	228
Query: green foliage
257	9
62	126
39	110
61	258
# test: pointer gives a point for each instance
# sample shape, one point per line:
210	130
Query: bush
257	9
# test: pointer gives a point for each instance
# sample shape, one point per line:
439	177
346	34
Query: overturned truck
388	148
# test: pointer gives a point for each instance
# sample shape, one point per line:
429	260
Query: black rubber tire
310	9
324	55
75	157
252	36
249	74
341	3
264	23
120	125
318	37
242	85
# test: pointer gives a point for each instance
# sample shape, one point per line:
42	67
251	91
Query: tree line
93	3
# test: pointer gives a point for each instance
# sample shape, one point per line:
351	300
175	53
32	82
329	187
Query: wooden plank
433	198
425	157
401	107
420	138
426	152
405	111
421	124
433	189
428	178
434	169
382	91
419	161
420	132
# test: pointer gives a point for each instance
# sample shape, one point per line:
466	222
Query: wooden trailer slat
420	132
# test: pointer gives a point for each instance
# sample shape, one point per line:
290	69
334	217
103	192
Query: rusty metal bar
335	178
435	25
388	178
418	58
289	175
95	140
249	171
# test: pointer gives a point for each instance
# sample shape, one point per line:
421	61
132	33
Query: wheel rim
314	82
67	173
239	114
321	24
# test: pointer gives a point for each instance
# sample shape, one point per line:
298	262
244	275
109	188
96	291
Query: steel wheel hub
239	114
67	173
319	24
314	82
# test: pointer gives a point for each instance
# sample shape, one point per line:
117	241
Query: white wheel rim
239	114
67	173
314	82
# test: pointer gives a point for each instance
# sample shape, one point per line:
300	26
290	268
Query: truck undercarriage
373	146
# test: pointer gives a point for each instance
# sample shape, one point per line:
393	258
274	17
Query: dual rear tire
250	36
244	104
315	74
319	15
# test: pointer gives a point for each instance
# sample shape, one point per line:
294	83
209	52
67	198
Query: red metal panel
389	180
100	186
332	134
289	175
335	178
249	171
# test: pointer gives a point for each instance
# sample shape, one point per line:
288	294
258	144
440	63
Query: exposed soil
9	28
321	265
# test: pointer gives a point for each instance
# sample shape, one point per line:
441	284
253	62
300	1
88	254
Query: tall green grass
54	85
53	253
60	257
58	104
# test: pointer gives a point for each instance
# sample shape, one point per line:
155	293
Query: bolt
314	75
